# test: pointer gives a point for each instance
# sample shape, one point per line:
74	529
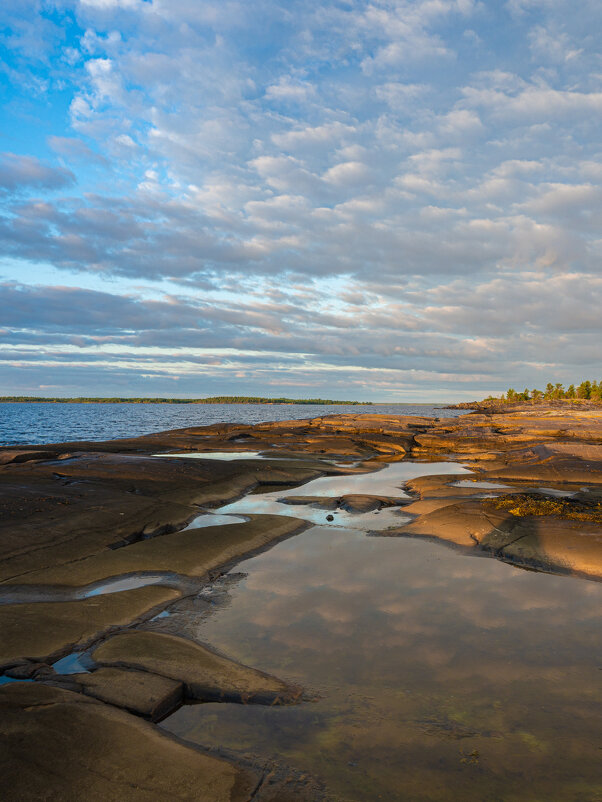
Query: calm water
56	423
385	482
441	677
438	676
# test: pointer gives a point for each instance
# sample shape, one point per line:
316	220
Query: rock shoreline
79	513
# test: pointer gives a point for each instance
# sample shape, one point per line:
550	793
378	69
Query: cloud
289	90
75	149
20	173
361	186
535	103
551	45
347	173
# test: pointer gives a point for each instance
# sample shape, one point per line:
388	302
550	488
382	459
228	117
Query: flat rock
206	676
59	745
140	692
542	542
41	630
350	503
193	552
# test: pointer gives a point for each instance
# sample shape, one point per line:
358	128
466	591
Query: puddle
385	482
550	491
229	456
161	615
120	584
481	485
74	663
441	676
6	680
215	519
221	455
27	594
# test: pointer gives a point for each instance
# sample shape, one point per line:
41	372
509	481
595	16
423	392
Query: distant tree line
222	399
586	391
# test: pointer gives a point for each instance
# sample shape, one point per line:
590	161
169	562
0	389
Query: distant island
220	399
588	393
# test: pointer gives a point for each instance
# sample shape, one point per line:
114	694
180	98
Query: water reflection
74	663
387	482
223	456
22	594
441	676
214	519
481	485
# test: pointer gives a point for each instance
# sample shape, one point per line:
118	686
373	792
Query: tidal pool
438	676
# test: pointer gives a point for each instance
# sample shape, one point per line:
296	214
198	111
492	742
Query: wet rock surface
81	513
206	676
50	629
358	503
149	695
194	552
61	745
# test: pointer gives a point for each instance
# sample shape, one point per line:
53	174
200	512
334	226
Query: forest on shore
586	391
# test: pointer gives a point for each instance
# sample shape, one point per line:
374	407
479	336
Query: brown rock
47	629
206	676
193	552
64	746
140	692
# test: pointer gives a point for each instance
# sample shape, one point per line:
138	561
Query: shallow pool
439	676
387	481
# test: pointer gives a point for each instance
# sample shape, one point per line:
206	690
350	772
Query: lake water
28	423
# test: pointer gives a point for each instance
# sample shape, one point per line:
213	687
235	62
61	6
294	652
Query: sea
38	423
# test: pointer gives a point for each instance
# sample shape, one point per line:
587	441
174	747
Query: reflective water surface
74	663
214	519
387	481
439	676
21	594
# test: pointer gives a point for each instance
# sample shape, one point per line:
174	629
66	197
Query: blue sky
386	200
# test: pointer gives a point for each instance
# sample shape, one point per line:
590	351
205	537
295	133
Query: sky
387	200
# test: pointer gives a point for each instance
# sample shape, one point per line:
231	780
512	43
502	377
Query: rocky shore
76	516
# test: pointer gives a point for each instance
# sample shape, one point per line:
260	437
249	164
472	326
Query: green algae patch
523	505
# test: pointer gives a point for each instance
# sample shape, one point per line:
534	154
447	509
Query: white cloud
347	173
288	89
535	103
551	45
312	136
379	149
